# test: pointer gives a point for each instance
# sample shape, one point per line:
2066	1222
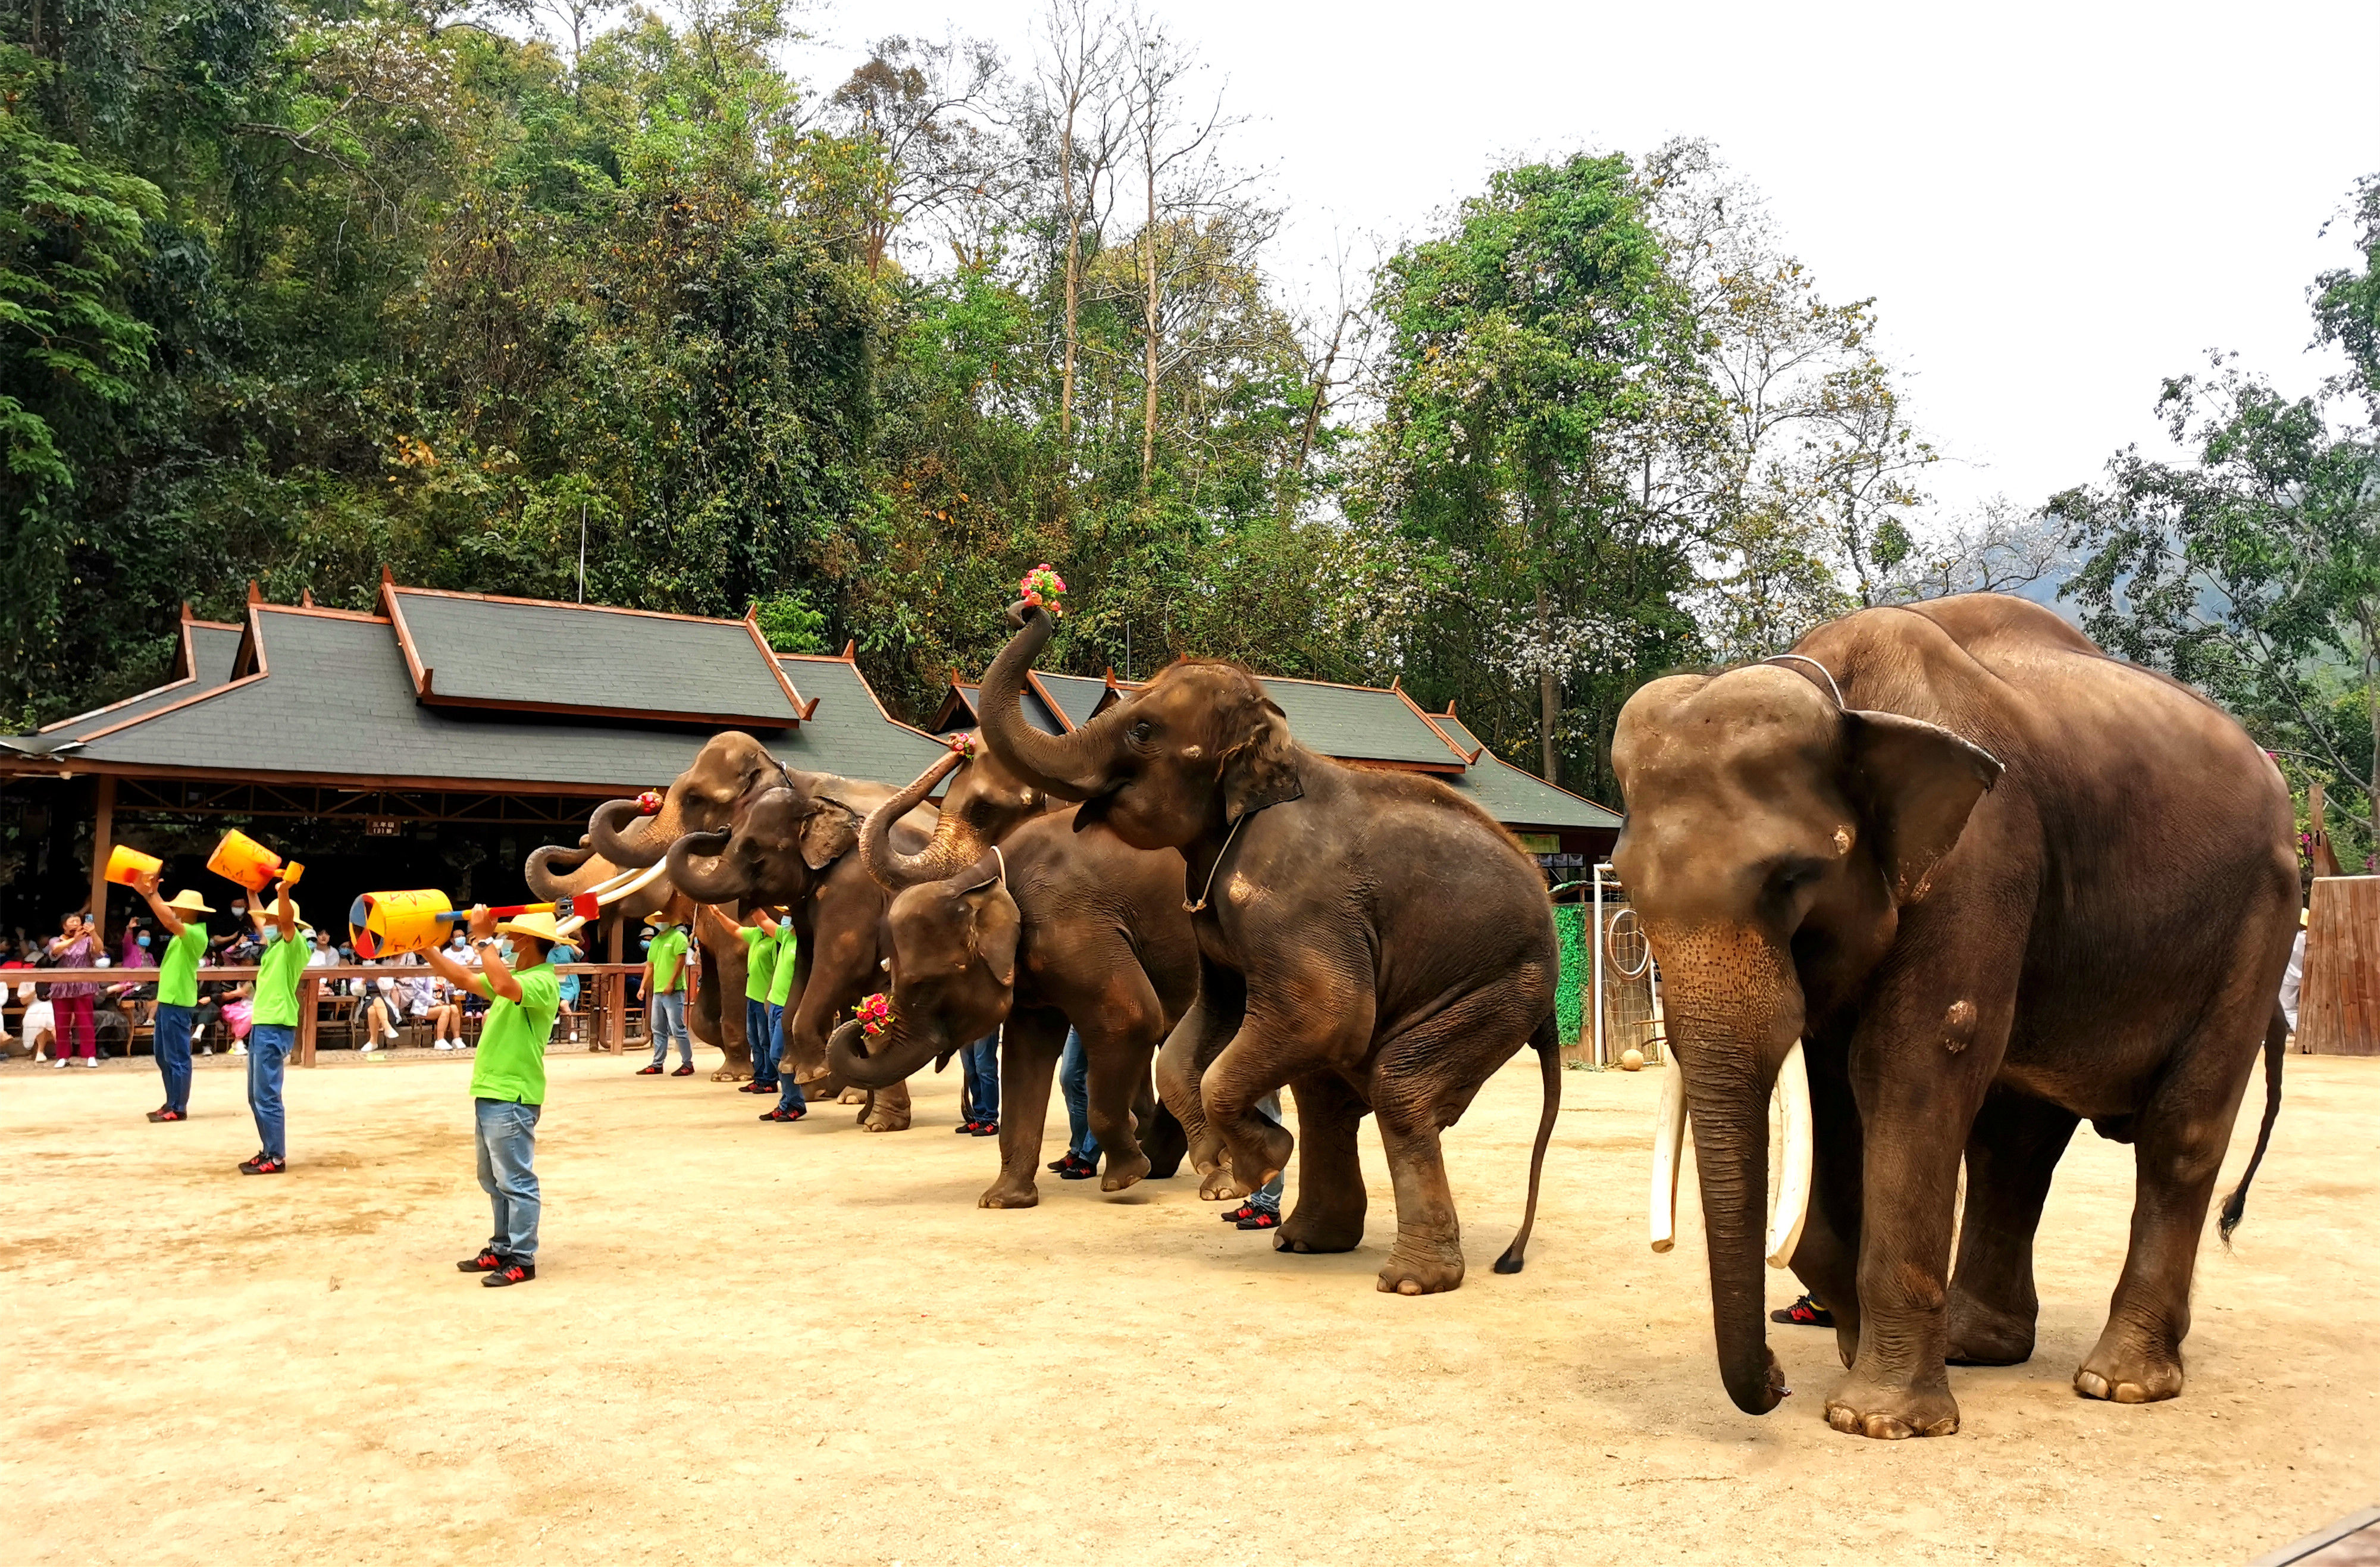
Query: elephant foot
1985	1335
1421	1267
1215	1184
729	1074
1864	1409
1118	1173
882	1115
852	1096
2121	1372
1005	1194
1307	1233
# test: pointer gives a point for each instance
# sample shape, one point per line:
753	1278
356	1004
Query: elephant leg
1918	1103
888	1110
2181	1136
1421	1081
1330	1196
2012	1154
1120	1022
1181	1065
1029	1047
1161	1137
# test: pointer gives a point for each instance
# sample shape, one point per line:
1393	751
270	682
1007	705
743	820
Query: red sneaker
486	1262
168	1114
649	1071
683	1072
263	1164
510	1273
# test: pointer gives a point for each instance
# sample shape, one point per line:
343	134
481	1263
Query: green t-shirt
277	974
667	954
177	970
788	949
759	961
511	1064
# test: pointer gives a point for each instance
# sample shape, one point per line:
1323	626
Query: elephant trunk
609	829
954	848
890	1057
556	870
717	881
1073	766
1735	1007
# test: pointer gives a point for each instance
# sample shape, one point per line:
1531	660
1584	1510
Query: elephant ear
1915	784
1260	768
829	833
996	926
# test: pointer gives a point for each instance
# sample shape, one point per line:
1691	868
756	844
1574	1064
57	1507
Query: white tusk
1793	1180
620	879
1669	1138
641	880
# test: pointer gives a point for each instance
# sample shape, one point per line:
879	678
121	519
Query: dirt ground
759	1344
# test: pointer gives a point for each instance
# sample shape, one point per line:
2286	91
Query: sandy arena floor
806	1345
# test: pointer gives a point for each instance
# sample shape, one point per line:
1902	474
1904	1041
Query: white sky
2054	206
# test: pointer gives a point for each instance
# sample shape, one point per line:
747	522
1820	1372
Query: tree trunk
1549	691
1149	337
1073	276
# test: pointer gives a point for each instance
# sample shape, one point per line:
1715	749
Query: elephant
1370	939
790	843
1953	879
704	795
1054	928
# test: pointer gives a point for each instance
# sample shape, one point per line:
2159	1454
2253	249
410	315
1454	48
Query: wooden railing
608	988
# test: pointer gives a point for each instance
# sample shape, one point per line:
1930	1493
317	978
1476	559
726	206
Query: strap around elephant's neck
1822	669
1188	908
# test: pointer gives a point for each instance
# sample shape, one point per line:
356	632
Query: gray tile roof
1078	694
1518	798
337	700
1036	712
1358	724
211	649
475	649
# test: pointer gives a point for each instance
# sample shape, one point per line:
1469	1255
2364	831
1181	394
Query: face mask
239	909
505	950
144	938
272	932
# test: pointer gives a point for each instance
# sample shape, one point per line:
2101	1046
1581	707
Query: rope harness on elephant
1189	907
1822	669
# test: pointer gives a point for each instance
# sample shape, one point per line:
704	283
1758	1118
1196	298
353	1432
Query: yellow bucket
384	924
126	866
242	859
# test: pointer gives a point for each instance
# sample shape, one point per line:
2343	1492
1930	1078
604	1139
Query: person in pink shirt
71	999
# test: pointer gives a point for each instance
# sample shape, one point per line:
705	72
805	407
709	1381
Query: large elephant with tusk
1948	881
1051	928
621	836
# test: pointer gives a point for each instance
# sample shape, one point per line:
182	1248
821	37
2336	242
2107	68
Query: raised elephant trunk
611	829
890	1057
1071	766
711	879
553	870
954	845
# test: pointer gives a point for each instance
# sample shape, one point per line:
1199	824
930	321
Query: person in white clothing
2293	977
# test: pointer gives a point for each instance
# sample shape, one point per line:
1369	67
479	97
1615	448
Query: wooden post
2324	857
102	843
308	997
2339	1004
615	1008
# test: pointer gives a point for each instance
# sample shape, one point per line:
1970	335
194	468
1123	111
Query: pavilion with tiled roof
454	732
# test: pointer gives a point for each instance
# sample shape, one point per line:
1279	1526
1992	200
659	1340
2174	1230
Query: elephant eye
1142	731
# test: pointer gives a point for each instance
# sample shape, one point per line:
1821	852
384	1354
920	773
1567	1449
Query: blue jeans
1267	1198
666	1017
761	1032
1074	1081
506	1134
268	1045
980	1062
173	1050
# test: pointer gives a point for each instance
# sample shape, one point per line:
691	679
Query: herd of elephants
1946	881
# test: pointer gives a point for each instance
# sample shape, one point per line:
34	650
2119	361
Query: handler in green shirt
508	1080
762	940
790	1102
663	986
273	1027
178	990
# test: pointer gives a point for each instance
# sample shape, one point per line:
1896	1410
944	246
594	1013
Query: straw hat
536	927
262	910
188	901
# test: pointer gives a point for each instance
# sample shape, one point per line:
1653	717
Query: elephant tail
2277	1039
1546	1042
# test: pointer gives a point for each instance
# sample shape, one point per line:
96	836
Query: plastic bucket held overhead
126	866
242	859
385	924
